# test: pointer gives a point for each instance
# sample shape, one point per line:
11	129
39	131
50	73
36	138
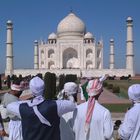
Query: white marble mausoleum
72	50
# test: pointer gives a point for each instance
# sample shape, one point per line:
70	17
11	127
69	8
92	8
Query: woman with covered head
130	128
92	121
40	118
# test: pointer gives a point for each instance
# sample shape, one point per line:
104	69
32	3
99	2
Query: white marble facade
70	48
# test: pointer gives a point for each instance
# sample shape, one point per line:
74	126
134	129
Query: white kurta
130	129
14	127
101	126
66	126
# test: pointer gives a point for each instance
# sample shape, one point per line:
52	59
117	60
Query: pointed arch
89	53
50	53
68	54
51	65
89	64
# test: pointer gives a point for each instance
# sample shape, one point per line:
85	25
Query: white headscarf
37	88
70	88
134	92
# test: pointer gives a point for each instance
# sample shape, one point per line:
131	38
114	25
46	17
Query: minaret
9	49
111	64
100	45
36	63
129	45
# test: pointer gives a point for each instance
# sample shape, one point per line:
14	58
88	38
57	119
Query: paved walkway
108	97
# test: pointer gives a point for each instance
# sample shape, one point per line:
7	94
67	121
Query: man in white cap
40	117
70	93
14	127
130	128
92	121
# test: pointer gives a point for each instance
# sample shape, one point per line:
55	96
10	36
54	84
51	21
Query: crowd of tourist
75	115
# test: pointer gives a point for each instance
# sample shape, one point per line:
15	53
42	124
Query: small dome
35	41
88	35
111	40
129	19
71	24
9	22
52	36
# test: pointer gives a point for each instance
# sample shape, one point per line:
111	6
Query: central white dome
71	25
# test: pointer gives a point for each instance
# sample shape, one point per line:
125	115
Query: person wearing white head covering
130	128
14	126
91	120
84	93
70	93
40	117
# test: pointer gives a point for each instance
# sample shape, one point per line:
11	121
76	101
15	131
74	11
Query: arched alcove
68	54
50	53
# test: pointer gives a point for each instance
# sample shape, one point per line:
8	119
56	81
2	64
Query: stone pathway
108	97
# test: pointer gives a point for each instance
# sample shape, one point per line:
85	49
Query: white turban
70	88
36	86
134	92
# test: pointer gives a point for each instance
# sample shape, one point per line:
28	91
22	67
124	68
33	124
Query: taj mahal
72	50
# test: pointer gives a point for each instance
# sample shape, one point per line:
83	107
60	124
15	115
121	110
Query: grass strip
117	107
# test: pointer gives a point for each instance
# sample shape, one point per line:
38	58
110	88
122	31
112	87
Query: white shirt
130	128
101	126
9	98
66	126
66	130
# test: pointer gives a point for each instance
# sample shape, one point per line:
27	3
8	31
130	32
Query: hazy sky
36	19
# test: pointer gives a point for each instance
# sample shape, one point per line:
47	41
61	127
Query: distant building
72	50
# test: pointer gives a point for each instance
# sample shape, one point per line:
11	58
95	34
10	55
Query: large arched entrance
70	58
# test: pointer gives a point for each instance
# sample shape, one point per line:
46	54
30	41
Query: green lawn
124	85
117	107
